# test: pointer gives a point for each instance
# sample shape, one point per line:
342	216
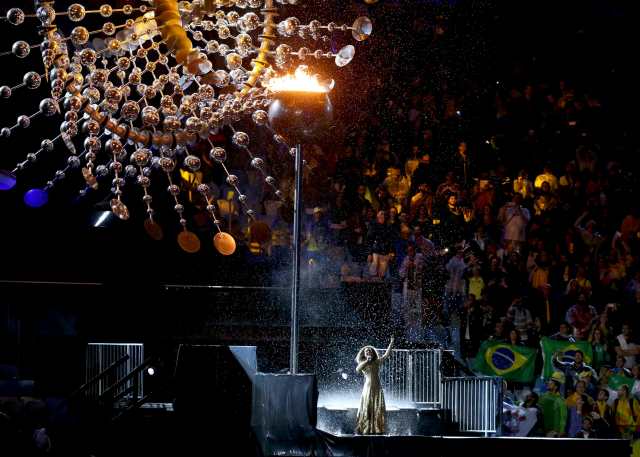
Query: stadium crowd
510	230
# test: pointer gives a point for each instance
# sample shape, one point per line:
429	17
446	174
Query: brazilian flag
566	353
617	380
516	363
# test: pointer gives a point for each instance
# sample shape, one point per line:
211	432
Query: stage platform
452	446
157	430
406	421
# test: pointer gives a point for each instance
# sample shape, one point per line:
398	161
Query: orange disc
189	242
153	229
224	243
119	209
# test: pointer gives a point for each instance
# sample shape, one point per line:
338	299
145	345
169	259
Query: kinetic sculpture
139	91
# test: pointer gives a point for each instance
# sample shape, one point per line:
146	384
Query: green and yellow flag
516	363
566	352
617	380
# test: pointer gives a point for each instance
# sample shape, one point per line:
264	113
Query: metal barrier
474	403
413	376
101	356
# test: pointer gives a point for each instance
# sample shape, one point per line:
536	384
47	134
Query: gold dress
370	420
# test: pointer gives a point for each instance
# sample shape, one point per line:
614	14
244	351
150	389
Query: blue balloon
35	198
7	180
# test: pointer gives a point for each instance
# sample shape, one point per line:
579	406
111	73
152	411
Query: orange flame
300	81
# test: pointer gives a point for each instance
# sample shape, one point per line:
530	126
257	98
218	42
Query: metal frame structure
100	356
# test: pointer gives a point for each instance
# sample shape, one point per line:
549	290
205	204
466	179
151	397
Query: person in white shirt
626	347
514	218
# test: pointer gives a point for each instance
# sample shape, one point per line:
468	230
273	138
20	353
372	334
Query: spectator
604	412
630	227
520	317
581	316
317	237
423	198
600	348
536	333
423	244
545	202
539	276
626	347
448	187
579	393
554	409
522	185
590	237
587	430
361	202
546	307
380	239
476	284
576	370
412	162
531	403
563	333
625	412
499	334
514	338
548	177
488	318
619	367
576	414
514	219
569	181
453	220
635	389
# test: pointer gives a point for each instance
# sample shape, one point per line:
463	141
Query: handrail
100	375
126	378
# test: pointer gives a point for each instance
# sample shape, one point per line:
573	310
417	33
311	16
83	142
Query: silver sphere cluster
137	95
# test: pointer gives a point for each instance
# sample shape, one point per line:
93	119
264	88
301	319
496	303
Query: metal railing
101	356
474	403
414	376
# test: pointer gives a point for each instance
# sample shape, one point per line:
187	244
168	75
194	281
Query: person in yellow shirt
626	413
547	176
581	276
581	390
476	284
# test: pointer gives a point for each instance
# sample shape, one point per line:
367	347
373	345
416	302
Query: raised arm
388	352
557	363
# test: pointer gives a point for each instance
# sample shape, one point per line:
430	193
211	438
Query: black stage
448	446
172	438
224	407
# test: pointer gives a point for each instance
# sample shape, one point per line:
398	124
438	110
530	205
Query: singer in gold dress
372	408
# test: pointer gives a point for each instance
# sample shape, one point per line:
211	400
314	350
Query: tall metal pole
295	280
